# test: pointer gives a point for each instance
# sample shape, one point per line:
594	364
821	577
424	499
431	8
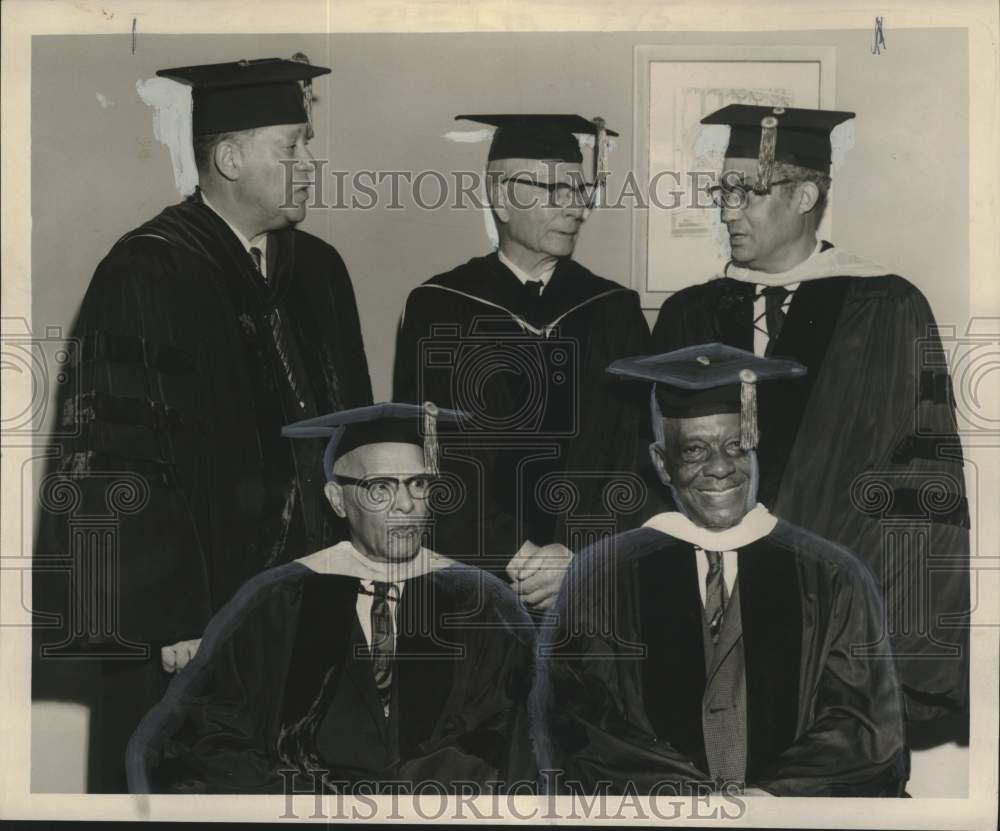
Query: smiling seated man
374	660
718	646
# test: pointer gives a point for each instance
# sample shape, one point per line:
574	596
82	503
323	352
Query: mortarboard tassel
431	451
749	435
765	157
307	94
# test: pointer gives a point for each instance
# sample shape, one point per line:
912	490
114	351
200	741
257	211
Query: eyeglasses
739	196
582	195
382	490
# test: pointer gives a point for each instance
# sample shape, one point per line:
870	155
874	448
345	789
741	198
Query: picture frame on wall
677	234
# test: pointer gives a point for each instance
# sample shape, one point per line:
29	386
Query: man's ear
334	494
659	458
227	158
808	197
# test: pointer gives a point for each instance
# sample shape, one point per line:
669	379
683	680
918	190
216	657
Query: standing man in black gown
519	339
203	331
863	450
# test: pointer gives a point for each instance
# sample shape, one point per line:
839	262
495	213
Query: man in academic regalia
718	646
519	339
203	331
863	450
374	660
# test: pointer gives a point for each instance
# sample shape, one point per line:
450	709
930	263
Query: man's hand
756	792
537	576
176	657
527	549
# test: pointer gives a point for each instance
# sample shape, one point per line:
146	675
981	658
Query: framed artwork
678	237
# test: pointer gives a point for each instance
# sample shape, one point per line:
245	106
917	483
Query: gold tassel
307	95
749	435
765	158
431	451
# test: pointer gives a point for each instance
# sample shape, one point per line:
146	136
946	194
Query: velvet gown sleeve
481	733
138	414
586	705
895	484
216	729
850	739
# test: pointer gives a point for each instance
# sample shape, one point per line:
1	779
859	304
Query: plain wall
900	199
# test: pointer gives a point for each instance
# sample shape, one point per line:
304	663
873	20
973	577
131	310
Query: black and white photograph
526	413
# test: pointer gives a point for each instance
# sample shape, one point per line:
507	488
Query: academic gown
283	681
542	409
626	690
188	366
864	449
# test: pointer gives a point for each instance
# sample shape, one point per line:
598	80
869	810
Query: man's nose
304	158
404	503
730	214
575	209
719	466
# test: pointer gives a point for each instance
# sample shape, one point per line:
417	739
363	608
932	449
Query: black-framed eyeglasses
563	194
739	195
383	489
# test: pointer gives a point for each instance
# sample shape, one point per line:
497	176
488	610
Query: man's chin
294	215
720	517
740	252
404	546
561	246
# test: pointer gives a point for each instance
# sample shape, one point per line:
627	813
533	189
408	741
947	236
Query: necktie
383	643
774	299
716	596
258	261
533	303
280	341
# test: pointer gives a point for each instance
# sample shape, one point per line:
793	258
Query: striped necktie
383	641
716	595
774	313
280	341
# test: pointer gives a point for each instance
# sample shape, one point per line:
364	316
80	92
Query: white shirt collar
523	275
259	242
343	558
756	525
833	262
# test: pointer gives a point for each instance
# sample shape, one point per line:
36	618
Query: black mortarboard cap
780	134
539	136
348	430
708	379
228	97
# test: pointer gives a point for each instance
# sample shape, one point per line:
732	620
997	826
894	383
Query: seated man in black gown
718	646
374	660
